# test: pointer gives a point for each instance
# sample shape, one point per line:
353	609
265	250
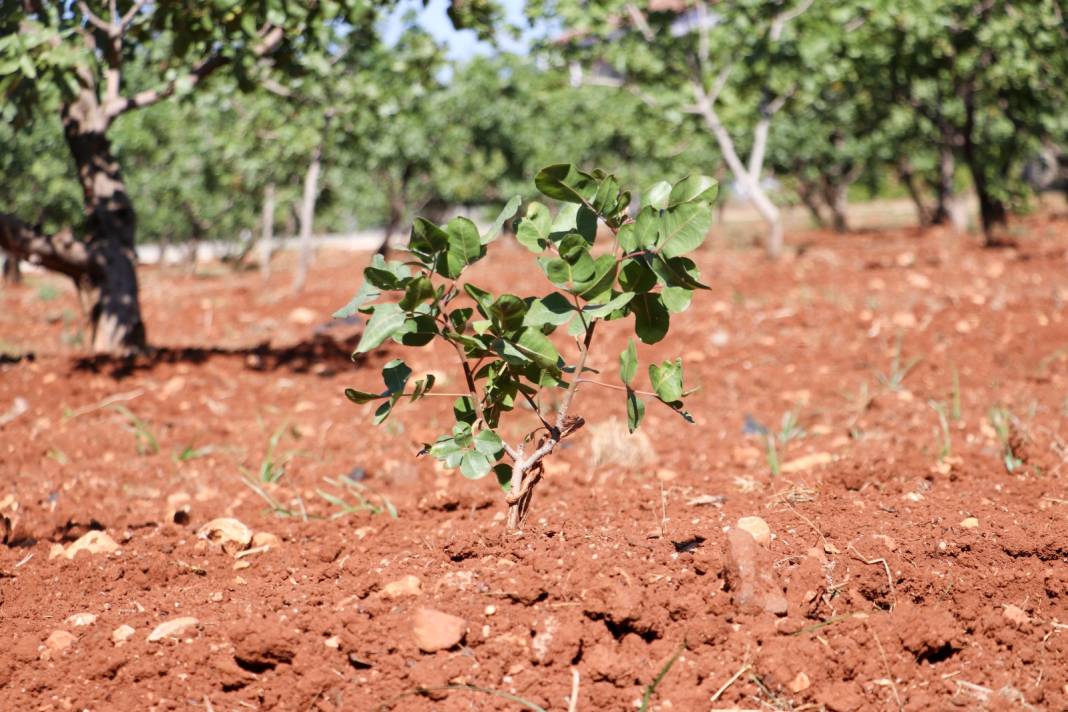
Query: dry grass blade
886	567
734	678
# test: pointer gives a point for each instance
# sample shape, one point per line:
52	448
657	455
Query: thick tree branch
271	38
60	252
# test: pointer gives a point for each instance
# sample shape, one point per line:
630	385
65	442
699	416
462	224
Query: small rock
303	315
54	551
404	586
807	462
750	575
59	641
800	683
333	642
171	627
122	634
265	539
1015	615
666	475
178	508
969	523
232	535
79	619
434	630
94	542
490	610
758	528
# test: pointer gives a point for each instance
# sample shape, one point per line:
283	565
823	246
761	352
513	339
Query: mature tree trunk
12	269
806	191
907	176
992	212
307	216
267	232
836	196
949	206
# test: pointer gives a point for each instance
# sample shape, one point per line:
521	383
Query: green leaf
396	374
508	312
600	282
677	272
463	410
598	311
676	299
536	346
566	183
416	331
657	195
504	216
465	246
636	276
383	411
386	320
667	380
483	298
628	363
474	465
361	397
533	231
503	471
553	309
418	291
684	228
694	189
651	317
427	241
366	294
635	410
489	443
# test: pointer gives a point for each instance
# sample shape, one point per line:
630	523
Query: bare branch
128	18
94	19
640	22
784	18
60	252
271	38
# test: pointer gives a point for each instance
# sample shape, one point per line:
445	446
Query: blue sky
462	44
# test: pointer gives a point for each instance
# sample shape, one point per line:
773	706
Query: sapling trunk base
502	341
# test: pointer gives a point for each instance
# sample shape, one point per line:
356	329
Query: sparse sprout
502	341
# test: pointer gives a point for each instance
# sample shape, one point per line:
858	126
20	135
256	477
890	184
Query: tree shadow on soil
322	355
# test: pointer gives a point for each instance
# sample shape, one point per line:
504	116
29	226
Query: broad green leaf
463	410
419	330
383	411
598	311
694	189
508	312
676	299
418	291
489	443
628	363
535	227
566	183
465	246
396	374
504	216
646	230
553	309
572	248
600	282
677	272
366	294
537	347
635	410
360	397
503	471
636	276
483	298
427	241
606	197
386	320
651	317
657	195
475	465
683	228
667	380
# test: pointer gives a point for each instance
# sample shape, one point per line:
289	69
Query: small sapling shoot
502	341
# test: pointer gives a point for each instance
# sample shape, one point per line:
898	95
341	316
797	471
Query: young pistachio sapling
502	341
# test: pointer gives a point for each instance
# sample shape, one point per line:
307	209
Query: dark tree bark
993	215
12	269
907	176
808	194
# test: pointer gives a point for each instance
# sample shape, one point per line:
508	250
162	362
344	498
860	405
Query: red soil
894	601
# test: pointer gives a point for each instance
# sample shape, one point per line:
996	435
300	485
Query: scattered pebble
666	475
1015	615
303	315
265	539
434	630
232	535
79	619
122	634
758	528
333	642
404	586
59	641
94	542
969	523
800	683
171	627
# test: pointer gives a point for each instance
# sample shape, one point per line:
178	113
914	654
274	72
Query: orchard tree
72	59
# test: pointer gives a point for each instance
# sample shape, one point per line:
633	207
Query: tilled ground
916	387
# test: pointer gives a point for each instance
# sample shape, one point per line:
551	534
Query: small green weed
894	379
146	441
